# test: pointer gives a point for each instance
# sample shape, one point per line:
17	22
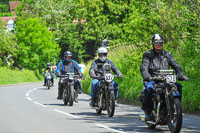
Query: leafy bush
36	44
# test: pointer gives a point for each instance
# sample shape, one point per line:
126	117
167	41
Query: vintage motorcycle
48	80
105	91
70	90
167	108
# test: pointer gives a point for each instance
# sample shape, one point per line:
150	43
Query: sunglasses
157	43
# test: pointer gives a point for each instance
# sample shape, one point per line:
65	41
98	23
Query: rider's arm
115	69
174	64
92	69
144	67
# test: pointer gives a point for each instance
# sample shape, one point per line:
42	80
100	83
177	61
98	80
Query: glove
120	76
182	78
81	76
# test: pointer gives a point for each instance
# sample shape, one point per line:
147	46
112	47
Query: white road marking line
66	113
40	104
29	98
111	129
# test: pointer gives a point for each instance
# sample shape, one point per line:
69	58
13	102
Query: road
32	108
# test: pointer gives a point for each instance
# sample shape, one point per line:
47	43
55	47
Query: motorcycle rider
97	65
153	60
66	66
50	70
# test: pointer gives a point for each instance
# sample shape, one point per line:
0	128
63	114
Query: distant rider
66	66
50	70
153	60
97	65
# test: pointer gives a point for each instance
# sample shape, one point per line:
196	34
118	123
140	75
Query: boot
92	103
147	115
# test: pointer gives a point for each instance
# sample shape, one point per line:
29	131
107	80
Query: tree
8	46
36	44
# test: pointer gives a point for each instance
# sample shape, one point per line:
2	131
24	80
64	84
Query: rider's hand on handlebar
182	78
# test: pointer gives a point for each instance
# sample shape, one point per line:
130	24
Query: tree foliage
8	46
36	44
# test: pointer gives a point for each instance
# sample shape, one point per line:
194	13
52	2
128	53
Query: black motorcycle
70	88
105	91
167	108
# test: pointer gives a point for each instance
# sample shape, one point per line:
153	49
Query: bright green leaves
36	44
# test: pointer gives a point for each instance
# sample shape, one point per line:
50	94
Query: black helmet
48	65
157	42
68	56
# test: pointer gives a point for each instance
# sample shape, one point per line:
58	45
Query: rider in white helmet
97	65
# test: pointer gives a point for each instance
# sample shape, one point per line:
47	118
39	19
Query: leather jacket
97	65
153	61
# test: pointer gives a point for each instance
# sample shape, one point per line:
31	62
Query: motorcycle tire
175	117
99	108
48	84
65	96
111	103
71	95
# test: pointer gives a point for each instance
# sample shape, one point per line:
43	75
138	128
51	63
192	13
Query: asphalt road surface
32	108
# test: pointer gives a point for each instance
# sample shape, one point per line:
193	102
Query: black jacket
97	65
69	67
153	61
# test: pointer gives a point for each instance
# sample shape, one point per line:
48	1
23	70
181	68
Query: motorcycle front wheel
175	116
48	84
71	95
111	103
99	104
65	96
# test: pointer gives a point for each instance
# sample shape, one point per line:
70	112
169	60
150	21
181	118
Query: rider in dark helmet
153	60
48	69
66	66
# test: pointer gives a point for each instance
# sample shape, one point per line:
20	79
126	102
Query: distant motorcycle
105	92
48	80
167	108
70	90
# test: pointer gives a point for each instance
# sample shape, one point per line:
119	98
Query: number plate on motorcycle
171	79
109	77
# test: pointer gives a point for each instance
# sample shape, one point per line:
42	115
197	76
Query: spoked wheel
71	95
111	103
99	104
65	96
175	116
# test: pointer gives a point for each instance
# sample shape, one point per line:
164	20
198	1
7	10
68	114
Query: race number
109	77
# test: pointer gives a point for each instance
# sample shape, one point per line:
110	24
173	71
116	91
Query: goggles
102	54
157	43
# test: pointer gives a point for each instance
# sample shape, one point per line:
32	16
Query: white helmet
102	53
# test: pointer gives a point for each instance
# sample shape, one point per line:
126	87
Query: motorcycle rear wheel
175	117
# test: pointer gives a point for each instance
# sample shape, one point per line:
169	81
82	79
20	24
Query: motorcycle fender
111	88
175	94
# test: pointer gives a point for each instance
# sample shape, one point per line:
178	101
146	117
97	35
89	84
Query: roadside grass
14	76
